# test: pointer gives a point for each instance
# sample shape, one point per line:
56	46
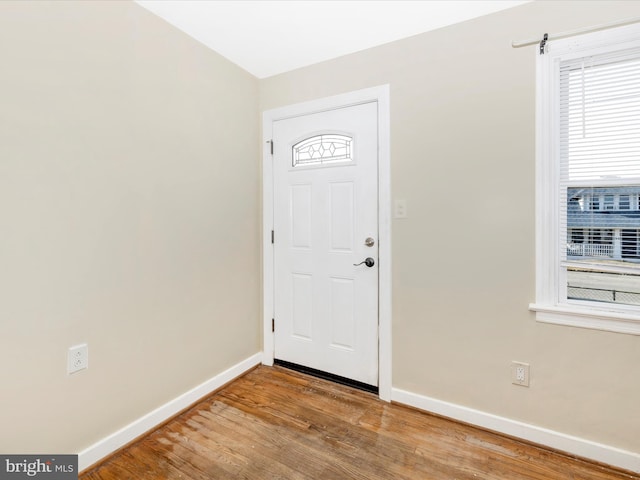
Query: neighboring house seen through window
588	181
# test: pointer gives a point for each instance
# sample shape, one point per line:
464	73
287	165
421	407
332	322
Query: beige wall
463	125
129	218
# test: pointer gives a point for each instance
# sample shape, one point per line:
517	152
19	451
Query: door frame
380	95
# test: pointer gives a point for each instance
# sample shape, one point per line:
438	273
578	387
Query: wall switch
77	358
520	374
400	208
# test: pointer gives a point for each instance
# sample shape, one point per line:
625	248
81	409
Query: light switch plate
400	208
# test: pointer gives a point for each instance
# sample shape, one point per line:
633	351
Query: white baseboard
556	440
113	442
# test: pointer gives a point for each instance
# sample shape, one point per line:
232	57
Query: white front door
326	222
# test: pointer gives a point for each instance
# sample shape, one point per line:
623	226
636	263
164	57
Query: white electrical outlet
77	358
520	374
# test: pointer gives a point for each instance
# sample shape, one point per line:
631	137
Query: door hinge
273	236
273	324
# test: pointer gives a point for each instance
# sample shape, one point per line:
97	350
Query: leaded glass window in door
323	149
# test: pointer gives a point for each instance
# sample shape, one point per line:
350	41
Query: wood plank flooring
278	424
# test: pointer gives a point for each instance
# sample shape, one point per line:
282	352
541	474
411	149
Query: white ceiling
268	37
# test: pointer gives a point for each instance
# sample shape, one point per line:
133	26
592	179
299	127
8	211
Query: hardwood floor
278	424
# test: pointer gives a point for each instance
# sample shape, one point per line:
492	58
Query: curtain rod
596	28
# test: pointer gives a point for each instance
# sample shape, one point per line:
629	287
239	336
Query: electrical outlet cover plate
77	358
520	374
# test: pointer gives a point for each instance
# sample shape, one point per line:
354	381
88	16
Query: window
608	202
588	181
624	203
322	149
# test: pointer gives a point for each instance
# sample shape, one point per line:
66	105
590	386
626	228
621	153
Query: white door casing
325	207
335	261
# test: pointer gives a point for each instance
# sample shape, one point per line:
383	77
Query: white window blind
600	117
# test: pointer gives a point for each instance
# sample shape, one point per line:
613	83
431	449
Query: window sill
583	317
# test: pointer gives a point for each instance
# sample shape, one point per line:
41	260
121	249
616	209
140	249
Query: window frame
551	304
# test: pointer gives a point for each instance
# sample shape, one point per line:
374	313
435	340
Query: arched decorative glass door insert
322	149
